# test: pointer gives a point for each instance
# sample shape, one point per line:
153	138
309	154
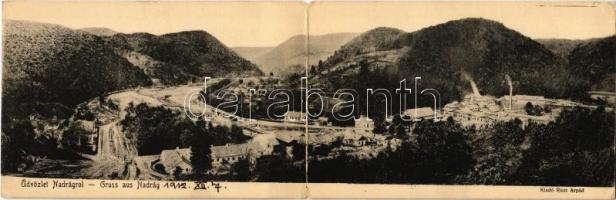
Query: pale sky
268	24
535	20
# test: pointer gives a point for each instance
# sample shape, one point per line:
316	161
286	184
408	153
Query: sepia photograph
320	99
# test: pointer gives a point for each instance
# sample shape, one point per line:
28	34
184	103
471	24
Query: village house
222	156
316	140
323	121
294	116
87	136
287	142
364	122
418	114
177	158
91	141
321	138
355	139
264	144
231	153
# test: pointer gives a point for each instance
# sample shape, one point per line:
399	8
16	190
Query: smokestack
473	85
508	78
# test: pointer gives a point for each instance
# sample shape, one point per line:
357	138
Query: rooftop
289	137
421	112
233	149
295	114
175	157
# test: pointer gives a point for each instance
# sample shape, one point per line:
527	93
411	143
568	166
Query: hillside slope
561	47
447	56
250	53
593	65
486	52
294	50
99	31
45	63
176	58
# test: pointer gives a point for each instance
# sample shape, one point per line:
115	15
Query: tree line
576	149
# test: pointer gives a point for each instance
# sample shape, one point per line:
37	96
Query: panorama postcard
320	99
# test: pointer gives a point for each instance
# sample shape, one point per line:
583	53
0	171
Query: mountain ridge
447	55
99	31
177	58
55	64
49	63
293	51
250	53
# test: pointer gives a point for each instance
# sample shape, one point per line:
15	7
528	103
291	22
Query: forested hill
99	31
594	65
448	55
283	58
561	47
45	63
176	58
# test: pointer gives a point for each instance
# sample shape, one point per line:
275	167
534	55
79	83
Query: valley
136	110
